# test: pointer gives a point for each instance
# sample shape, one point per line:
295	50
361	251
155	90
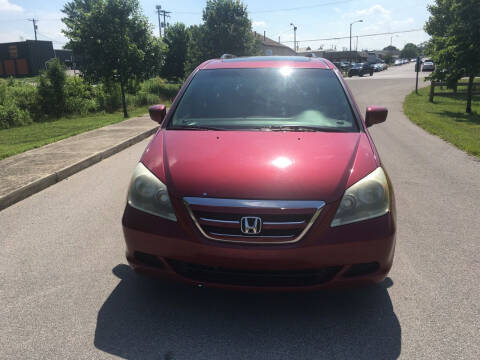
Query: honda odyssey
262	175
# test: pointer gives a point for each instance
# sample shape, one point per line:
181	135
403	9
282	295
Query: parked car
397	62
262	175
428	65
342	65
360	69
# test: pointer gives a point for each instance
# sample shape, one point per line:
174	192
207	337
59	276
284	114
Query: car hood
259	164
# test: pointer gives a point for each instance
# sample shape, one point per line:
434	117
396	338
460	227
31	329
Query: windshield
265	99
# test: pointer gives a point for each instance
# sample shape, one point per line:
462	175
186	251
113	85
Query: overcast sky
315	19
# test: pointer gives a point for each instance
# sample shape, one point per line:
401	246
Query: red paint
157	112
375	115
262	165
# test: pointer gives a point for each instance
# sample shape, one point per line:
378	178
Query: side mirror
157	112
375	115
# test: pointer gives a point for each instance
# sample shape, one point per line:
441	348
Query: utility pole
159	8
350	53
294	37
161	24
35	26
391	38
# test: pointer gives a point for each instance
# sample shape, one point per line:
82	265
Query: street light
351	37
294	37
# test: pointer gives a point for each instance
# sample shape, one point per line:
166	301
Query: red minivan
262	176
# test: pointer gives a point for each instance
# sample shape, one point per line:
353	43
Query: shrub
141	99
51	89
160	88
25	97
3	91
11	115
79	97
109	96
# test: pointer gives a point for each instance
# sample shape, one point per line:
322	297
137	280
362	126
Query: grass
446	118
20	139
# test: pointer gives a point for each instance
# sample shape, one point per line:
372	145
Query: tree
226	29
454	27
51	92
409	51
390	48
176	40
388	58
113	40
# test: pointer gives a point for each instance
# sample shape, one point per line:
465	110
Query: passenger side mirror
157	112
375	115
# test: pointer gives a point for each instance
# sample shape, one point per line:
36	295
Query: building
272	47
28	58
346	56
309	52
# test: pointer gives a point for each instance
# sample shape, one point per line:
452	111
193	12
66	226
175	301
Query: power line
57	41
280	10
366	35
301	7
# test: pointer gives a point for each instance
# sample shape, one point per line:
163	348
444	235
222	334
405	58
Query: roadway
66	292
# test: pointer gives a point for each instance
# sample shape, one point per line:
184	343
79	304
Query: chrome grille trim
251	236
239	203
220	221
283	222
265	204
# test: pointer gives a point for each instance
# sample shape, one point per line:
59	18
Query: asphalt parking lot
66	292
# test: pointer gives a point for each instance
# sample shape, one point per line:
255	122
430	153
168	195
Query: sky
315	19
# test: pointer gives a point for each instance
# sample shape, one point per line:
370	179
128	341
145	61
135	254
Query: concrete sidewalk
32	171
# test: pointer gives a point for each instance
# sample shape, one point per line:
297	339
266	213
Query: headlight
366	199
147	193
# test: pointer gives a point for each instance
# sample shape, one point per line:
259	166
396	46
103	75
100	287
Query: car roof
267	62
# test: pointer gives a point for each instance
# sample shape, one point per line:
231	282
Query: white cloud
406	22
375	10
259	23
6	6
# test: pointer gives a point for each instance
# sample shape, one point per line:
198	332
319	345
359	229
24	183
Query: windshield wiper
301	128
196	127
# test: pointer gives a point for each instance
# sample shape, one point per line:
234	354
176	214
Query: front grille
280	221
227	276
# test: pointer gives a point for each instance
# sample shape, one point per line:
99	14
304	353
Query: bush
79	97
141	99
3	91
160	88
51	89
109	96
11	115
25	97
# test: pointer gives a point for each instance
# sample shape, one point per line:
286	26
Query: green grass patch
446	118
20	139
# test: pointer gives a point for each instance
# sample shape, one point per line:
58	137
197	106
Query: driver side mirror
375	115
157	112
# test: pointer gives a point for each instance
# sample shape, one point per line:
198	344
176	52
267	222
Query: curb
48	180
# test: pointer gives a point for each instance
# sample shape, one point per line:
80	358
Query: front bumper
357	253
